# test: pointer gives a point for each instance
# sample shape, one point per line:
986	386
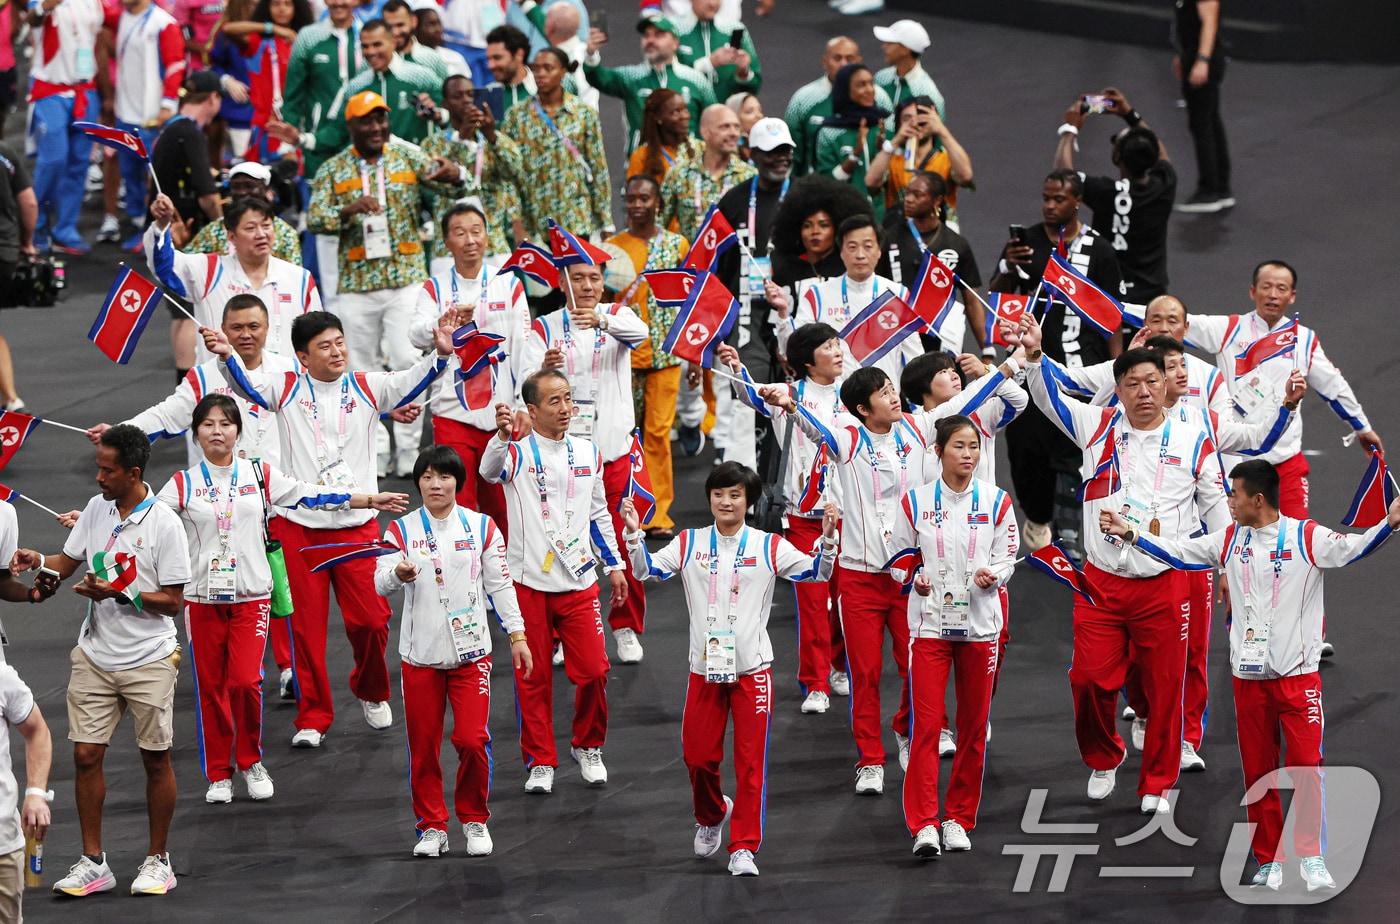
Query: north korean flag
124	314
478	352
705	319
117	138
639	481
671	287
714	236
816	481
533	261
880	327
1005	307
1054	562
1280	342
1373	497
1101	310
908	561
932	295
1106	479
570	250
14	430
326	556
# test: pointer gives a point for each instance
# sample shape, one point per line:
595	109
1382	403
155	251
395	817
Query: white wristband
887	147
1013	362
840	173
1067	129
45	794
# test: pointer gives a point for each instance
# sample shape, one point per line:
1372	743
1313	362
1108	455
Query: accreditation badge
376	228
721	657
222	580
1254	649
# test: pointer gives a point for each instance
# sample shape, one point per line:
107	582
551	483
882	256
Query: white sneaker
741	863
1101	783
988	740
1190	760
590	765
947	747
220	792
86	878
111	230
955	837
870	781
860	7
558	659
708	837
840	683
1268	875
540	780
629	649
903	744
1154	805
1128	714
259	782
404	461
1327	650
307	738
1139	732
1314	870
431	843
284	685
1035	536
377	715
816	703
155	877
926	843
478	839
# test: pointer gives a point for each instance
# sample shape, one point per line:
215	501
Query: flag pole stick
969	288
170	298
1294	350
37	504
64	426
154	179
731	376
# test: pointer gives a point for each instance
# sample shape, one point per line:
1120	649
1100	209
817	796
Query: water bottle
33	862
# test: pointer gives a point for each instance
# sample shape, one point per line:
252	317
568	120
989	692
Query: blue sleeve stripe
597	536
1341	412
1066	381
1008	414
1161	555
1056	401
827	436
331	499
164	259
1275	433
984	391
1375	543
438	366
242	383
652	570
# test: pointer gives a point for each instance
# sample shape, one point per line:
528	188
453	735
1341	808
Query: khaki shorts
12	887
97	699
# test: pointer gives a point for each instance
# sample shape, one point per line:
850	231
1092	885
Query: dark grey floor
1314	149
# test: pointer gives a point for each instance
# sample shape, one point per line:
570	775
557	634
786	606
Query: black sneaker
1202	203
691	440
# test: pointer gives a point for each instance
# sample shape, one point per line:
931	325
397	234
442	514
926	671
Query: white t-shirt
16	702
117	636
9	541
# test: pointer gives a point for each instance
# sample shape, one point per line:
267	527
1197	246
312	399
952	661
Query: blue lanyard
485	280
135	30
753	207
918	238
566	142
223	522
734	573
117	530
316	417
439	574
543	486
845	299
938	524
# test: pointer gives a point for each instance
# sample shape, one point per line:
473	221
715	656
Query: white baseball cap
417	5
905	32
768	134
252	169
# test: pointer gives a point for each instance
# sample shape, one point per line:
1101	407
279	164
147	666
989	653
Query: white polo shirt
16	702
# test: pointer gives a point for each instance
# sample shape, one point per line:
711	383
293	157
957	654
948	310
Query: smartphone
493	98
736	38
1095	103
49	572
598	19
1018	235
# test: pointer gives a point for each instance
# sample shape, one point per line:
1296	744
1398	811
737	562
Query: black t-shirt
758	348
1132	215
181	163
1066	338
949	246
16	181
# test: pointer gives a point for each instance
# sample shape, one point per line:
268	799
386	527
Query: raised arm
1201	553
813	565
1330	549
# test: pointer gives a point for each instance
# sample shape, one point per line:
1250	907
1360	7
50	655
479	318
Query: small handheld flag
816	481
1003	306
568	249
1276	343
124	315
908	561
705	319
639	481
671	287
880	327
714	236
1373	497
934	291
1101	310
533	262
1053	561
328	555
117	569
478	352
116	138
1107	478
10	495
14	430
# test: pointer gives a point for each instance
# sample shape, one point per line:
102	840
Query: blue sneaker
76	248
134	243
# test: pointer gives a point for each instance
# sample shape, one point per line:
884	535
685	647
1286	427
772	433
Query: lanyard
597	369
543	487
439	575
566	142
223	519
699	188
379	175
481	299
1161	462
133	32
875	468
845	297
938	526
733	575
1246	576
662	76
322	456
276	75
914	233
705	36
631	290
117	530
480	158
753	208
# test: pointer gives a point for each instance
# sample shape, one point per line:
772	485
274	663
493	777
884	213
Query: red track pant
280	631
974	669
227	641
366	616
1293	487
576	620
1290	707
708	707
816	613
1195	700
631	614
427	694
475	493
871	605
1153	616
